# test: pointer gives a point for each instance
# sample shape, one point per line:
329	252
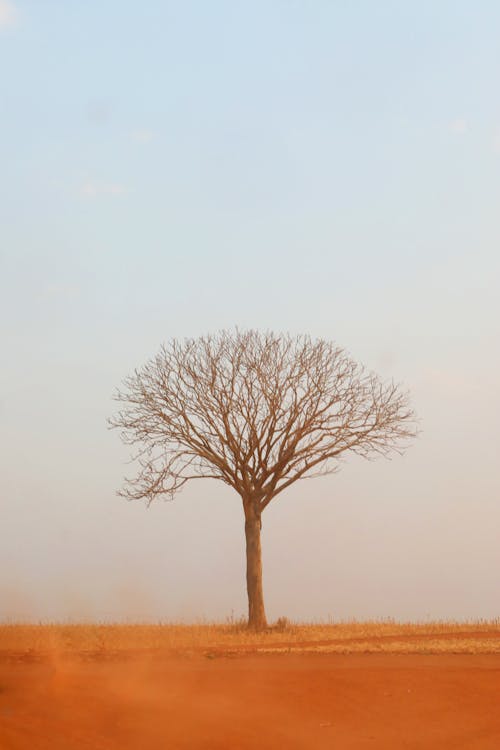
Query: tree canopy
256	411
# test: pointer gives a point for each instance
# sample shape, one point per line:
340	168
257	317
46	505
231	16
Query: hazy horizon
173	169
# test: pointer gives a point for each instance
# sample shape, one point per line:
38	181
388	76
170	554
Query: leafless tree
257	411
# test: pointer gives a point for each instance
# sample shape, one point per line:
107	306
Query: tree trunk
256	612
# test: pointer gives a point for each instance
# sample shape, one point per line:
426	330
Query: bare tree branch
256	411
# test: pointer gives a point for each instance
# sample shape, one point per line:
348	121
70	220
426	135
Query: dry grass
233	638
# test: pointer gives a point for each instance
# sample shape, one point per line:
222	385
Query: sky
169	169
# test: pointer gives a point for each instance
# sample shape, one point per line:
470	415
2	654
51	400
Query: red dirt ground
343	702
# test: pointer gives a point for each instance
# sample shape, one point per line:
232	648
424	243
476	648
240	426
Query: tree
257	412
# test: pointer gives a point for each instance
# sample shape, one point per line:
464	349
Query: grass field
233	638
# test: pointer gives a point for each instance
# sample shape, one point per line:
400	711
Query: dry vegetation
233	638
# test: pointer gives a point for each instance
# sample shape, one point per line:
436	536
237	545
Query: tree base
257	627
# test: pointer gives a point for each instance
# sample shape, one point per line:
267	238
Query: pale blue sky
168	169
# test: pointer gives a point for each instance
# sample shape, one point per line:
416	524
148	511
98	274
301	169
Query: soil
152	701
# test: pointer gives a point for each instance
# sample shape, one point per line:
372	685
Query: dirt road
156	701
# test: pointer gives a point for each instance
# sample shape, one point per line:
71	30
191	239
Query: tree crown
256	410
